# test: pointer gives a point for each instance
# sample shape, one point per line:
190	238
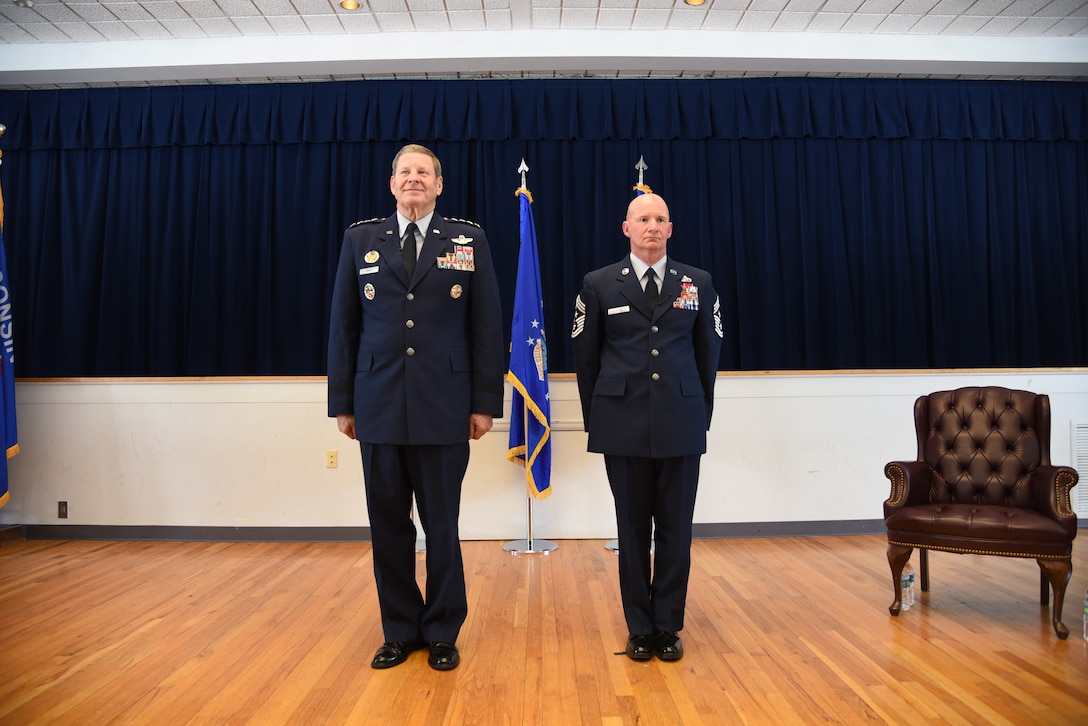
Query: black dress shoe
667	646
640	647
393	654
444	656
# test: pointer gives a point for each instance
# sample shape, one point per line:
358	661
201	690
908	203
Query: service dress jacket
646	373
412	360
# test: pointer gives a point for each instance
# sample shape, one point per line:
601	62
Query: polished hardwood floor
779	631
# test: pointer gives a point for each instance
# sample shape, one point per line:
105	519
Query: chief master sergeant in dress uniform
415	371
646	353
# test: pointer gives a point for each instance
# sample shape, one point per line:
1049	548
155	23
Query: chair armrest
1050	489
910	485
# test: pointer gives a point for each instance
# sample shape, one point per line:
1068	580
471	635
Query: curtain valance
581	109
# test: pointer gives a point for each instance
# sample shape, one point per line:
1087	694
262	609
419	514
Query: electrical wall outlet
331	457
62	510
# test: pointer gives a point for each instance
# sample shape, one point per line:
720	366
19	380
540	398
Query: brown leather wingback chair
983	484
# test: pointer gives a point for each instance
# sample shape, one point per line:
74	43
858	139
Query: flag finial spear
642	167
523	169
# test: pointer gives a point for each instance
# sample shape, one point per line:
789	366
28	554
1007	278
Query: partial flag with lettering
9	436
530	415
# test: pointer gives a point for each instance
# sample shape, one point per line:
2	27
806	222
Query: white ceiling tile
218	27
897	24
914	7
386	6
162	11
767	6
468	19
840	6
950	7
323	24
148	29
1024	8
115	30
579	18
419	6
686	21
1061	8
722	19
728	5
1034	27
650	18
275	7
1068	27
394	21
496	20
803	6
311	8
660	5
546	18
861	23
359	22
130	11
964	25
616	17
182	28
80	32
431	21
1000	26
793	22
253	26
582	4
756	21
932	25
287	25
92	12
987	7
878	7
828	22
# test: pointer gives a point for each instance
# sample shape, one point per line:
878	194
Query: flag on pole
9	437
530	414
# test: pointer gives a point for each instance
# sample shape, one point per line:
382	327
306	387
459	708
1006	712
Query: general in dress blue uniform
415	370
646	354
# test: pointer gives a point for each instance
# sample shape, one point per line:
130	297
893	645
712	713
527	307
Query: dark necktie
651	287
408	249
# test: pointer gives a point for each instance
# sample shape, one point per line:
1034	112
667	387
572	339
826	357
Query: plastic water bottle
1086	614
906	584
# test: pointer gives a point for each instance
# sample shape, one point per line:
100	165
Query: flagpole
613	545
529	545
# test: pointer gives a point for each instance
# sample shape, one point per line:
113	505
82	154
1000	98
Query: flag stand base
530	547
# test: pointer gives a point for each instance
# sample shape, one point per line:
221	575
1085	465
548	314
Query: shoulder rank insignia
462	221
372	220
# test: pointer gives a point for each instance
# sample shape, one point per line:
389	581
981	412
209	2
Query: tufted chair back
983	444
983	484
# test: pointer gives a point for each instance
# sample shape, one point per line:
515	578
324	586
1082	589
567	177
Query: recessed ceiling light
25	3
349	4
694	2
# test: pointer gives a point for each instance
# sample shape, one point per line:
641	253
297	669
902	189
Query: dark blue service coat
413	359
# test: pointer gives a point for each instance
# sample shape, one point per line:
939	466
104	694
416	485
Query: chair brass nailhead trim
965	551
899	483
1064	507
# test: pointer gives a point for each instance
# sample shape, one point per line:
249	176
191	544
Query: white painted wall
237	453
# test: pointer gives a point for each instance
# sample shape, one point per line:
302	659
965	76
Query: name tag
368	270
620	309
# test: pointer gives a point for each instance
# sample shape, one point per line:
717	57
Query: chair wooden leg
1058	572
1044	586
923	569
897	559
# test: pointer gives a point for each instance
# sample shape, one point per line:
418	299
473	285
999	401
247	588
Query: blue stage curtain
848	223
